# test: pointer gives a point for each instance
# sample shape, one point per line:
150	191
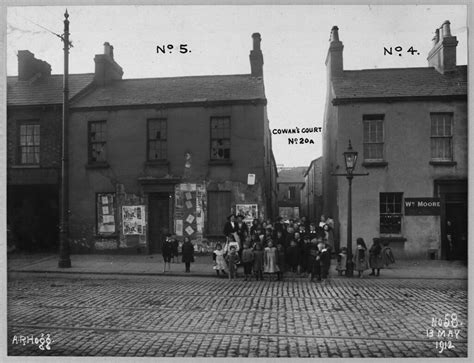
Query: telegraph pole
64	257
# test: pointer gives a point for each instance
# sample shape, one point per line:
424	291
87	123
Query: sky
295	40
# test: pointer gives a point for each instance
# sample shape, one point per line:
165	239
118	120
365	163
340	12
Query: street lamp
350	159
64	257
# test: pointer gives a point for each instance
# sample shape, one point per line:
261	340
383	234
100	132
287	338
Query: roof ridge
60	74
195	76
396	69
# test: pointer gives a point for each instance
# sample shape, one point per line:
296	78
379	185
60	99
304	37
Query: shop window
391	213
106	207
441	137
373	137
220	138
29	143
157	143
97	142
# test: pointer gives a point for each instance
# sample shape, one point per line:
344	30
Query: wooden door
218	208
158	220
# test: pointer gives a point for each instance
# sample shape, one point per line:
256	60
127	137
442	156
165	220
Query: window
373	137
220	138
291	192
390	212
29	144
97	142
157	146
442	136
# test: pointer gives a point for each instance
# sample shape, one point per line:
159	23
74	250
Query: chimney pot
256	57
446	29
256	41
334	37
443	54
334	59
436	37
107	48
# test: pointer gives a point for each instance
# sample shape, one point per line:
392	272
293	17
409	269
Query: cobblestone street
90	315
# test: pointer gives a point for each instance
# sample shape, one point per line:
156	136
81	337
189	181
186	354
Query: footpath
202	267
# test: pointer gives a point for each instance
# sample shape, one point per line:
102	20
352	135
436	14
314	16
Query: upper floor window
373	137
390	212
157	144
97	138
292	193
442	136
29	143
220	138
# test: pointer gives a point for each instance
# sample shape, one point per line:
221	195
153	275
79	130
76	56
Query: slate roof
292	175
399	82
174	90
44	90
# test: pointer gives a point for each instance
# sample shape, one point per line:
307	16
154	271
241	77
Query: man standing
451	250
230	226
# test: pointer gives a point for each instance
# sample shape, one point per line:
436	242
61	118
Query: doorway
158	220
453	196
456	213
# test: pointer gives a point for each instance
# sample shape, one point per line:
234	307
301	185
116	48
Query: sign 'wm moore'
422	206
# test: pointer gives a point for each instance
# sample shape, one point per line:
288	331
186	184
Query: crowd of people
301	247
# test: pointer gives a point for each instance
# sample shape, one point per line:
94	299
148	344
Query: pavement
153	265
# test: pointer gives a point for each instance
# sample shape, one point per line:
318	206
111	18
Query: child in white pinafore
219	260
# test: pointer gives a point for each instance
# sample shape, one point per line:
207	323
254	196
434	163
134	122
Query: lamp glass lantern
350	158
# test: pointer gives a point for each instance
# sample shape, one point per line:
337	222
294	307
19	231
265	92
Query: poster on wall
249	211
133	219
189	209
106	214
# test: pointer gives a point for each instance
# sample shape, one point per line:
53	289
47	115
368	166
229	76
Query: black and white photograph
266	180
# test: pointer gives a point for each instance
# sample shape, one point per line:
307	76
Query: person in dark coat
175	245
360	257
187	251
279	239
279	226
256	229
313	257
304	255
325	254
281	261
167	252
230	226
258	261
313	232
290	235
293	256
375	258
242	231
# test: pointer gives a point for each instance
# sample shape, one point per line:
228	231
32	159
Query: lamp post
350	160
64	257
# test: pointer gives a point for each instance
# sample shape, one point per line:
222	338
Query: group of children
257	260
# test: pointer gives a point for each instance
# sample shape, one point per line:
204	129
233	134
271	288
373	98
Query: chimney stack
29	66
106	69
443	54
334	62
256	57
